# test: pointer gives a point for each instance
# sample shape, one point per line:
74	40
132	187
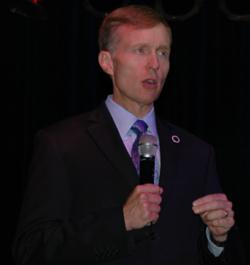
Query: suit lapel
169	155
106	136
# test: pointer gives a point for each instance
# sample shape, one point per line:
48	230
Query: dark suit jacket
80	178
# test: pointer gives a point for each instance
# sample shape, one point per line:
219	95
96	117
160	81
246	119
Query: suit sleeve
48	231
233	252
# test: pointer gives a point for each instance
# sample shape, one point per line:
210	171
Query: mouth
150	83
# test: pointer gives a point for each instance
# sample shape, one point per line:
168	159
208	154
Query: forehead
158	35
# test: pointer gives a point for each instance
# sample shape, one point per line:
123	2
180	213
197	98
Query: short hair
138	16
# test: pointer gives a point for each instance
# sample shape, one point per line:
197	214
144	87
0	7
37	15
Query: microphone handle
147	165
147	169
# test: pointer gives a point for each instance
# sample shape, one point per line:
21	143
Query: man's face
139	66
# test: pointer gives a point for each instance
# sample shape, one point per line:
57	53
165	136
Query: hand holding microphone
143	205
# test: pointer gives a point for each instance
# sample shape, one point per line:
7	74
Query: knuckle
145	205
137	189
215	222
224	196
159	199
143	196
158	208
231	221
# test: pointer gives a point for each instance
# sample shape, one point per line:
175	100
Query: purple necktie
139	128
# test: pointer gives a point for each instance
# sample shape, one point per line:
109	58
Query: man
84	203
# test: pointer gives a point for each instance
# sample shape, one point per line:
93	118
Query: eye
163	53
141	50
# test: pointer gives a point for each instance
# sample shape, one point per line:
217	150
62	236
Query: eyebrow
164	47
146	45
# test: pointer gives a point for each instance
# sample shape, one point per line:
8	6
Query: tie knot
139	127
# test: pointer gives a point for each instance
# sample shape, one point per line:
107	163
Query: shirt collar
124	119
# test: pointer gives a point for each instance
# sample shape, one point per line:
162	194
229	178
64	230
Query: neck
138	110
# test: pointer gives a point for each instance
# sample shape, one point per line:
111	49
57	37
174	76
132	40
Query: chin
147	102
151	98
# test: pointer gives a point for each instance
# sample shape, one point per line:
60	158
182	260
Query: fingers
142	206
216	212
209	198
220	227
152	188
212	202
219	218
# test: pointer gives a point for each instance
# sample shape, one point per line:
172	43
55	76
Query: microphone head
147	145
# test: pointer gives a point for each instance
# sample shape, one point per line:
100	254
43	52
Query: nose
153	61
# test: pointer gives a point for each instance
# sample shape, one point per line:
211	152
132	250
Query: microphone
147	150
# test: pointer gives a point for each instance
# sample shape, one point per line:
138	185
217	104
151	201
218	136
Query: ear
106	62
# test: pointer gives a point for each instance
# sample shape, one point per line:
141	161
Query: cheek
128	73
123	77
165	69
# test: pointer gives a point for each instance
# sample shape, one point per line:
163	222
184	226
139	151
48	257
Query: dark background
50	72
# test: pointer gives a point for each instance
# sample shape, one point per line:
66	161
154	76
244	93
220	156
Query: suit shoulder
74	127
68	125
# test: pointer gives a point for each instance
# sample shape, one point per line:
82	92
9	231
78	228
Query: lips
150	83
